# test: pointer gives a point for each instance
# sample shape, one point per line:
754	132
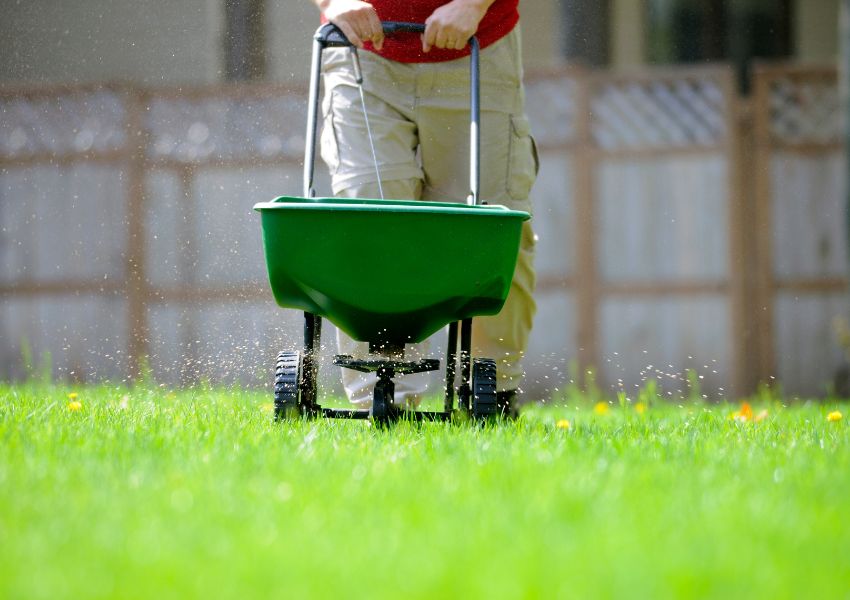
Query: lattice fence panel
62	124
658	113
552	105
805	110
226	128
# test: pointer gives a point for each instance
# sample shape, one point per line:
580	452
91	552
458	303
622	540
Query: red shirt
500	19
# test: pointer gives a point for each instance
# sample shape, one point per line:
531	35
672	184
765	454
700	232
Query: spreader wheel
483	388
288	374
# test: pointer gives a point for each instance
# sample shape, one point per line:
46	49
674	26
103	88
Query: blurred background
691	204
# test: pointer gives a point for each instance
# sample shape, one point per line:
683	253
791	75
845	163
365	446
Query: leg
345	147
504	337
508	168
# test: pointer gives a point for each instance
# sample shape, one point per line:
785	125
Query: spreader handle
330	36
391	27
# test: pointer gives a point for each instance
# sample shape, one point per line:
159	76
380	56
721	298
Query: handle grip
331	36
393	27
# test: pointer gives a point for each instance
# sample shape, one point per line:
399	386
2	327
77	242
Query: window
585	31
244	40
735	31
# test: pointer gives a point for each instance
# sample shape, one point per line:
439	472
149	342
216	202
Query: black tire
288	374
484	388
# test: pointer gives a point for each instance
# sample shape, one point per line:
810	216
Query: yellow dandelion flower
745	413
72	396
75	405
601	408
562	424
267	406
640	408
834	416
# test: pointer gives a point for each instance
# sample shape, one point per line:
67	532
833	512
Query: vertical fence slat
587	278
764	309
137	282
742	247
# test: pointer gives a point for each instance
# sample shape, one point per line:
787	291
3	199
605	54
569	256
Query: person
417	98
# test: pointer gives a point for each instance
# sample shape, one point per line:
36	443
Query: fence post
137	282
763	271
844	94
743	246
587	284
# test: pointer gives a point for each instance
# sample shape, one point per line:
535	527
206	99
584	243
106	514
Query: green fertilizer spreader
390	273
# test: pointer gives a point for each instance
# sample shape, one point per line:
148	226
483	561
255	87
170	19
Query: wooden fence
680	228
651	224
801	224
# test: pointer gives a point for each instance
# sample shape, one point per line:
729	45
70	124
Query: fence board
661	338
62	223
663	220
225	230
808	356
553	198
552	349
232	342
809	216
84	338
167	227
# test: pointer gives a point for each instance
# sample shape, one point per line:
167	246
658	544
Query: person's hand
451	25
357	20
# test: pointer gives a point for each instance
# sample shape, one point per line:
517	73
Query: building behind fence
681	228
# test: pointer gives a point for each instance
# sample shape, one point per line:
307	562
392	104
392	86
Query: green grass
147	493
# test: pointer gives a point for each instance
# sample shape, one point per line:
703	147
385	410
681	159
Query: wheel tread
286	376
484	387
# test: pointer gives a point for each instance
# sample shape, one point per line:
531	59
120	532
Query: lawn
151	493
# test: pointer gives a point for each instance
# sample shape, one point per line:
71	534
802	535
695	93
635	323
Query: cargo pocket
524	163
